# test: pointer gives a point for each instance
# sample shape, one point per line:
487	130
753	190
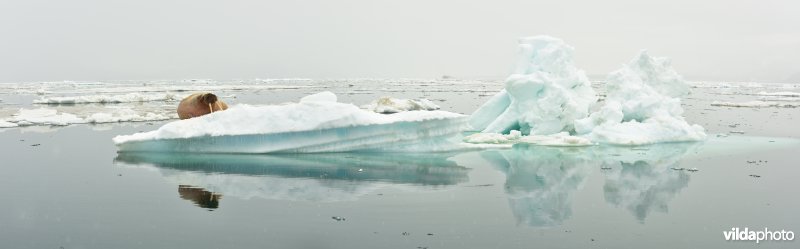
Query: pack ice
548	96
315	124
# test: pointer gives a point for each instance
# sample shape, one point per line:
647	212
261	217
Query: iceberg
642	106
548	98
543	96
316	124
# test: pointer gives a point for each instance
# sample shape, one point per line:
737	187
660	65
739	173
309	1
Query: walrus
200	104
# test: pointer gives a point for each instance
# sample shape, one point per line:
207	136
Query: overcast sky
162	39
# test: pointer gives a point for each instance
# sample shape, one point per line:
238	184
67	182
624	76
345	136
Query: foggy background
148	39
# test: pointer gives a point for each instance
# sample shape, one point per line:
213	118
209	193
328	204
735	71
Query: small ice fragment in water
693	170
756	176
493	138
337	218
387	105
737	132
674	168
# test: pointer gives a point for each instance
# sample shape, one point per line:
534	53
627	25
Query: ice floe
558	139
388	105
782	94
308	126
52	117
44	116
6	124
755	104
109	99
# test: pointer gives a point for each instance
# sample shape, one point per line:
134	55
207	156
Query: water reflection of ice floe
540	181
645	180
310	177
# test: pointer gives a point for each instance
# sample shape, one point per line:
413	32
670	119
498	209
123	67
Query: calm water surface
68	187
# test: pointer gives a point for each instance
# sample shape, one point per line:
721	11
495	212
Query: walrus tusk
210	110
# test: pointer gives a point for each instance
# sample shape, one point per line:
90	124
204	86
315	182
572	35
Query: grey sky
148	39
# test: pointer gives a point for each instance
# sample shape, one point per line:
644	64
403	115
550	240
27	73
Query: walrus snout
208	98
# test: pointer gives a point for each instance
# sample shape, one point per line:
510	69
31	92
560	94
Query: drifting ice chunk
108	99
783	94
493	138
754	104
391	105
125	115
43	116
6	124
309	126
543	96
642	106
562	139
325	96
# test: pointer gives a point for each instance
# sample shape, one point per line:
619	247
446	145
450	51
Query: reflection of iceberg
645	180
313	177
316	124
540	181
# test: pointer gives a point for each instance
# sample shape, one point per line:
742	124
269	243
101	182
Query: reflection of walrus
200	104
199	196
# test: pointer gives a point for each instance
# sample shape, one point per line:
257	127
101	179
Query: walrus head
208	98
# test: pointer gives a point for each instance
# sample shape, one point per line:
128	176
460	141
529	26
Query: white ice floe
562	139
782	94
307	126
493	138
543	96
642	106
6	124
109	99
391	105
45	116
320	97
558	139
755	104
126	115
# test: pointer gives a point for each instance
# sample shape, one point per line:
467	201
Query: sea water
66	186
